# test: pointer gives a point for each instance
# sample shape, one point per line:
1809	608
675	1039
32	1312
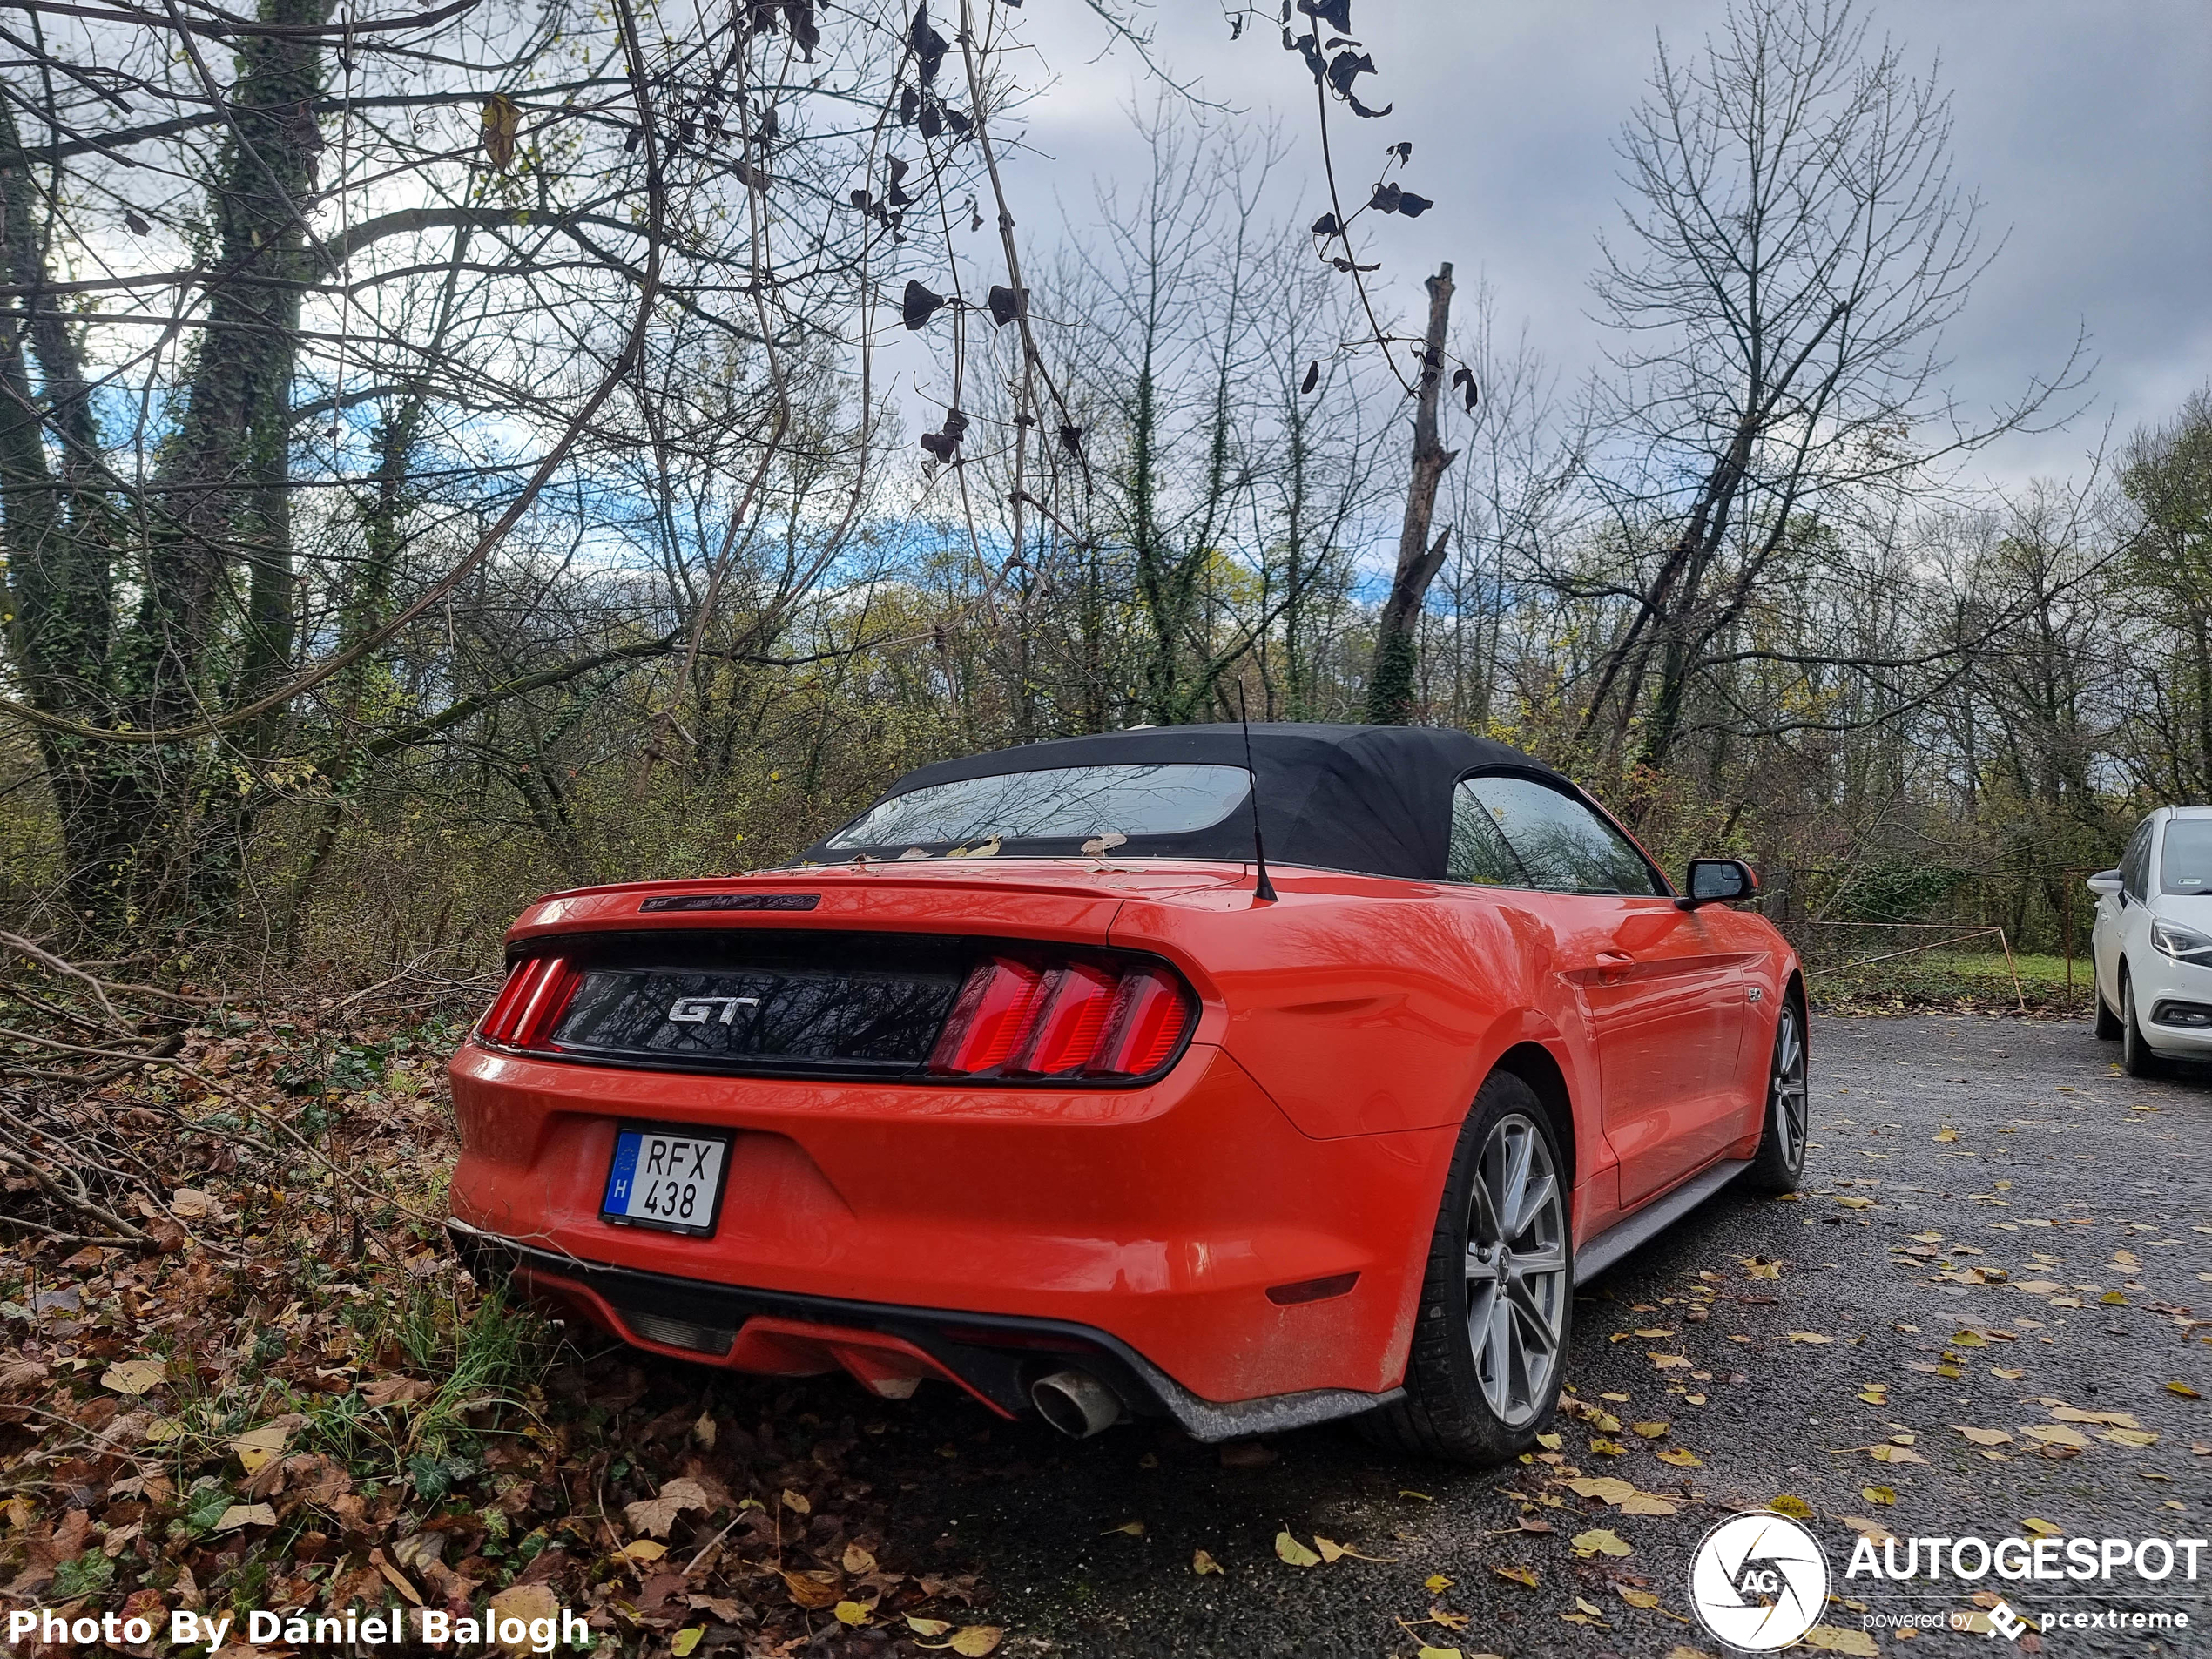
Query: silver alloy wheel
1788	1104
1516	1268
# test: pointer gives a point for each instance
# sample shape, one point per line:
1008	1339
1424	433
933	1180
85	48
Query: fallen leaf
850	1613
683	1642
2041	1527
973	1641
2056	1434
1436	1583
654	1517
1289	1549
525	1603
1599	1541
1638	1598
928	1627
1645	1503
1813	1336
2184	1390
1946	1133
1792	1505
1984	1436
257	1447
1681	1457
133	1377
1601	1485
395	1578
1128	1528
2129	1436
1518	1575
1202	1564
1831	1638
1866	1528
1670	1361
1878	1494
1849	1202
813	1588
1650	1431
644	1549
246	1514
797	1503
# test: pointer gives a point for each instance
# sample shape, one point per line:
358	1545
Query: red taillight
1148	1024
534	995
995	1009
1088	1019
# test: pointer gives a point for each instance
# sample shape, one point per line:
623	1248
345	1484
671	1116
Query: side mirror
1717	881
2105	883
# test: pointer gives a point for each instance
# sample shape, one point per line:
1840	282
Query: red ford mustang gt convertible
1251	1080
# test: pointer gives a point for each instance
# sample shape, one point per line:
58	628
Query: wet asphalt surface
2058	1163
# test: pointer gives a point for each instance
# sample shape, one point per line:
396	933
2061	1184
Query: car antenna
1263	890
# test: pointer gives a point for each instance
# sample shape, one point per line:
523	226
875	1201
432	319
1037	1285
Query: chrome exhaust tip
1075	1403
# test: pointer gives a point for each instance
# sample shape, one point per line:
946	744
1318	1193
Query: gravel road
1947	1151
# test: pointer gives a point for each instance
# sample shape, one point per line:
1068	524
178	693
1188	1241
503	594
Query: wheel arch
1536	1065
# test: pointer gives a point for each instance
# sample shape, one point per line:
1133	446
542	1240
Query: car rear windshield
1064	805
2186	864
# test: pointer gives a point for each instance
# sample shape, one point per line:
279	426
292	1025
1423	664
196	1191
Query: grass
1973	980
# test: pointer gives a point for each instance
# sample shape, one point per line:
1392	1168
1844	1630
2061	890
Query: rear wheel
1779	1164
1483	1377
2135	1056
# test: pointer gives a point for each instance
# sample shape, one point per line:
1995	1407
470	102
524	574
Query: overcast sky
2086	125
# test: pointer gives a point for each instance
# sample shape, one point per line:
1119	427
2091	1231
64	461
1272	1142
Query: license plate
666	1178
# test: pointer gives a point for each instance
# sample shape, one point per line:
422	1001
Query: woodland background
443	459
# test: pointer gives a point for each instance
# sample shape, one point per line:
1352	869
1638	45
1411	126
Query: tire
2135	1056
1490	1337
2108	1022
1779	1164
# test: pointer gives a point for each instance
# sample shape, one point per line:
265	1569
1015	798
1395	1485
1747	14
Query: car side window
1479	852
1510	832
2134	865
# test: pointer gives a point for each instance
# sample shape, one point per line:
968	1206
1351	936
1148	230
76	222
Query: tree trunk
1390	684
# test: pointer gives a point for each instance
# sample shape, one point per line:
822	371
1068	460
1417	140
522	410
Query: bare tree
1795	247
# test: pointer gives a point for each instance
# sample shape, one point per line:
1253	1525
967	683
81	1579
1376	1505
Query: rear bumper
1146	1225
885	1348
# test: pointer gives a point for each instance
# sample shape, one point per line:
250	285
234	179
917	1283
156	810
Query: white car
2152	946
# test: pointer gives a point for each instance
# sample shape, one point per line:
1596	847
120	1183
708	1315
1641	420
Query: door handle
1611	963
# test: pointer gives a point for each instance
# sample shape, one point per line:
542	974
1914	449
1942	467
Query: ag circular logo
1758	1582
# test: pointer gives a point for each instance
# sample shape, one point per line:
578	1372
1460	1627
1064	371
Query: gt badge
700	1010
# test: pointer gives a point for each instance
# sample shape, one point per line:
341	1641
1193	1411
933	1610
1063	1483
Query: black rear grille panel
848	1003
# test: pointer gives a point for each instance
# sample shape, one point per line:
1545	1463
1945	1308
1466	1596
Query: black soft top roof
1374	799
